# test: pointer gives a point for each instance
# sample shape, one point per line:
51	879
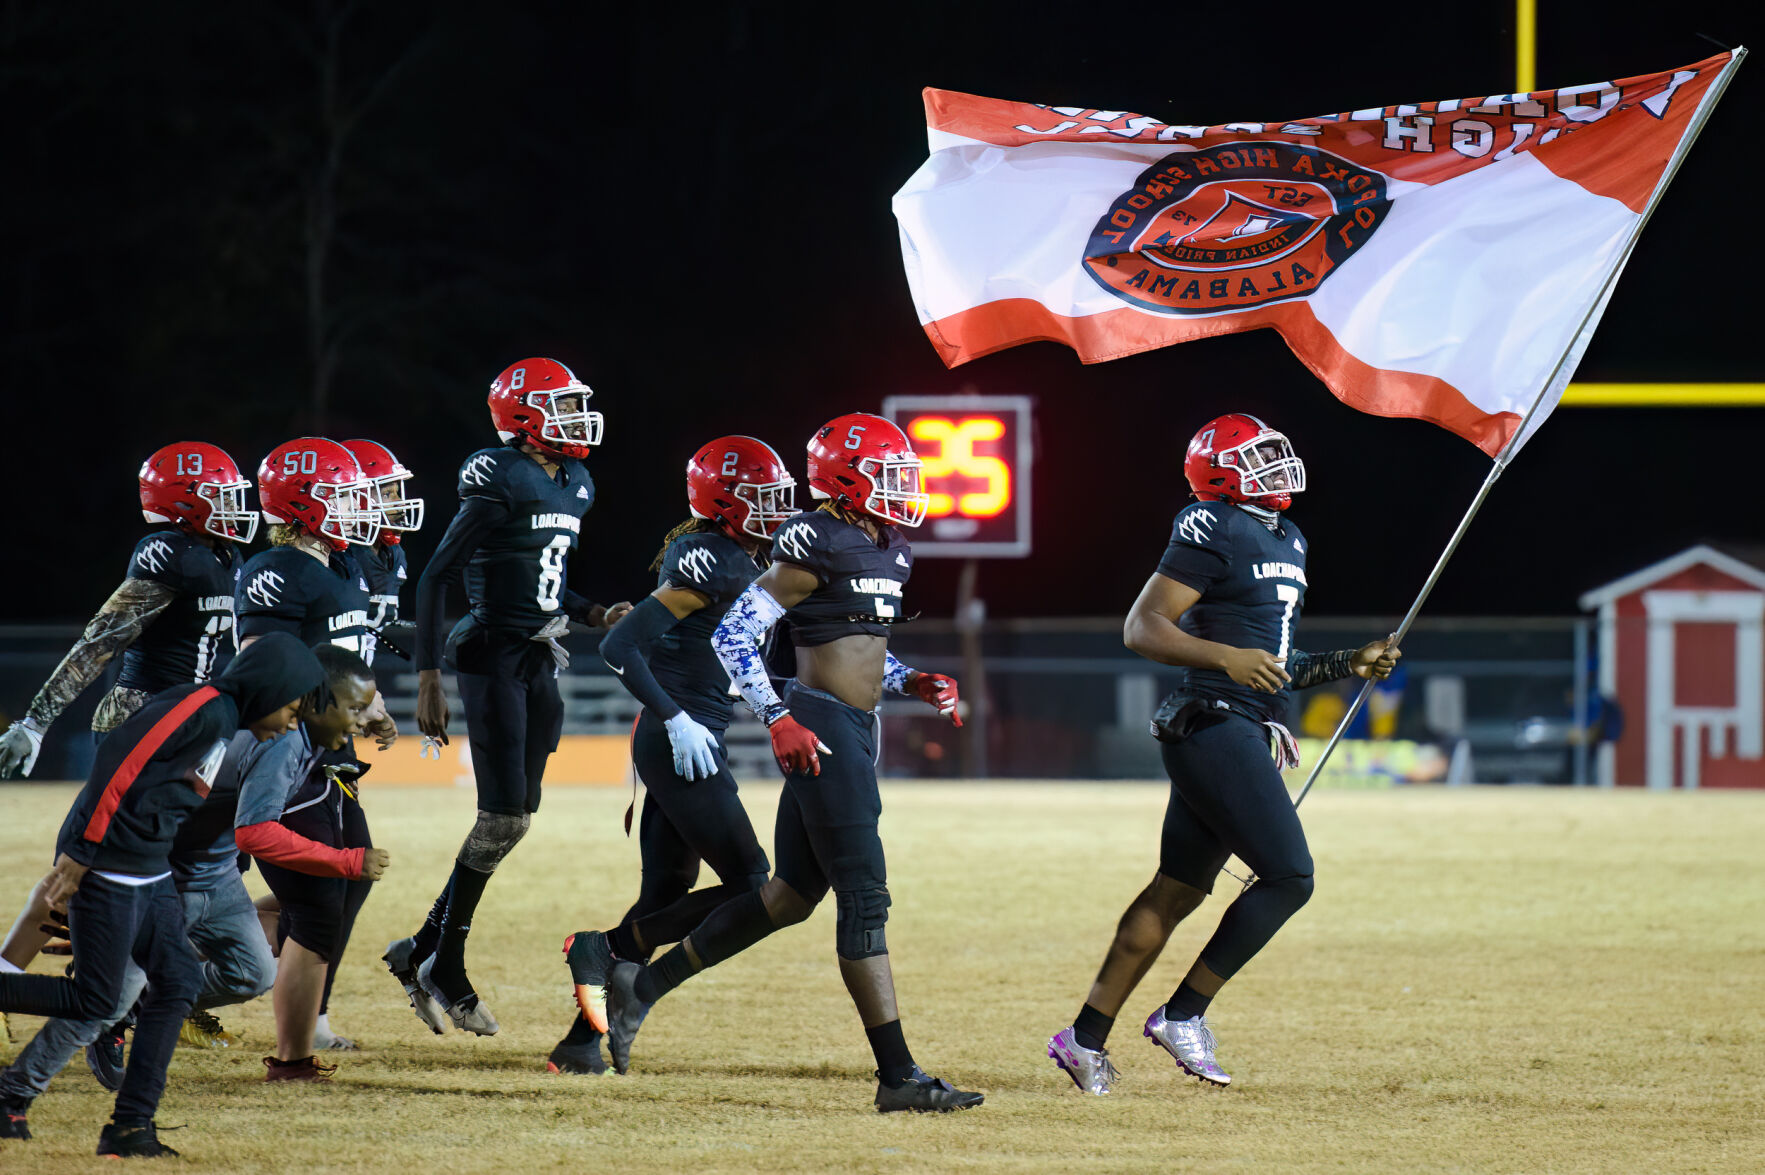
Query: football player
1222	606
739	493
521	508
837	575
383	560
171	619
322	509
113	874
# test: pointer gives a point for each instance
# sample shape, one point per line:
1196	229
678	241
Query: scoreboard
976	453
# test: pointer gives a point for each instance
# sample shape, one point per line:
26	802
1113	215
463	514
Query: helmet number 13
551	572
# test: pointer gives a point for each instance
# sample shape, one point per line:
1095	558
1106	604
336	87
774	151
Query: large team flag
1436	260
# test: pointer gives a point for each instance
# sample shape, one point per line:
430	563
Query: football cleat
1089	1069
625	1013
12	1118
1190	1042
398	961
326	1040
591	958
104	1057
469	1013
133	1142
577	1058
305	1069
202	1030
924	1095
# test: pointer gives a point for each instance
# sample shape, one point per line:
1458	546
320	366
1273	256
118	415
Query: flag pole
1501	462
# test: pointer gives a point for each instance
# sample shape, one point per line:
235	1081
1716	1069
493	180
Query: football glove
694	747
938	692
795	745
19	747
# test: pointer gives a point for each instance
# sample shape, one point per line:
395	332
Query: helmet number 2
304	461
1289	596
551	572
853	440
729	460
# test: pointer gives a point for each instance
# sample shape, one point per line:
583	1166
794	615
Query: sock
1091	1028
664	975
423	942
463	892
624	944
8	969
894	1064
581	1032
1186	1003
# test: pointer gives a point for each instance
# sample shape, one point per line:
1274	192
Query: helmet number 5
853	440
551	573
1288	595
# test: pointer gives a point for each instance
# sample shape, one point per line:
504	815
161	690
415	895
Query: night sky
693	212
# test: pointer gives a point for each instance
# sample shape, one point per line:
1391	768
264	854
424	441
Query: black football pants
1227	797
826	833
514	716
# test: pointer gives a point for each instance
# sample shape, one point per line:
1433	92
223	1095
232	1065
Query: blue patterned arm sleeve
739	641
895	674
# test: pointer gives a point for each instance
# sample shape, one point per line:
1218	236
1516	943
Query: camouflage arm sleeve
129	610
1309	669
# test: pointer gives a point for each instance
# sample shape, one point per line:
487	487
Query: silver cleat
470	1014
1089	1069
1190	1042
398	961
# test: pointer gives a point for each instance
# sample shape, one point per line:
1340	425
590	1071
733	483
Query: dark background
240	223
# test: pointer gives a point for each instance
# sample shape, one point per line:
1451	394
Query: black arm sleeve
578	607
626	649
477	519
1309	669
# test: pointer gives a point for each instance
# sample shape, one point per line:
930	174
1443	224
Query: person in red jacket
290	819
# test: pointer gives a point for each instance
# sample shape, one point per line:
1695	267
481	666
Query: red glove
795	745
938	692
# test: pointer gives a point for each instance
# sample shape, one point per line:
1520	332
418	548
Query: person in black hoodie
113	874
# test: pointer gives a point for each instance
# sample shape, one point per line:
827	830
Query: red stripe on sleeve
136	759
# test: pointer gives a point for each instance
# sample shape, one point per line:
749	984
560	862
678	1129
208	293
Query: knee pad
859	915
1296	889
491	838
751	881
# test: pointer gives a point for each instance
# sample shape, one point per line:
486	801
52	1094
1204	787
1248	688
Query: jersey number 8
551	572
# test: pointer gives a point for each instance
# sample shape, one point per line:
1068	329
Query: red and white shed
1682	649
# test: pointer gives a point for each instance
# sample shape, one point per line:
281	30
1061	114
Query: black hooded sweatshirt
155	769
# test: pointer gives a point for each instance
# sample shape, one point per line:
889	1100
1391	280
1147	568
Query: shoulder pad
805	539
159	557
710	563
1203	524
486	473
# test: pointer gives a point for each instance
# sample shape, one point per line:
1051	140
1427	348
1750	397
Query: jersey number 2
551	572
1288	595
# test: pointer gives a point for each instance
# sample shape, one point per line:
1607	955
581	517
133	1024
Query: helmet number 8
304	461
551	572
517	379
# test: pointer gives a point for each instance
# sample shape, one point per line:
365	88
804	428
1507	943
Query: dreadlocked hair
690	526
829	506
283	534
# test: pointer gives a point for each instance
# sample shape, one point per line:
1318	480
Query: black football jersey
1252	583
287	590
861	578
192	640
516	577
683	661
383	566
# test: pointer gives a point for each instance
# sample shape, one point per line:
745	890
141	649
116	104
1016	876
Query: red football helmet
198	487
399	515
741	482
542	401
1238	458
316	484
864	462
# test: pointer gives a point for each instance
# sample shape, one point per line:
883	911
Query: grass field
1486	980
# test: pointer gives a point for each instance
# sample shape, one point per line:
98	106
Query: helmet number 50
551	573
304	461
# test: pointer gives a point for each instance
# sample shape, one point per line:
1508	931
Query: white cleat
1190	1042
1089	1069
469	1013
398	961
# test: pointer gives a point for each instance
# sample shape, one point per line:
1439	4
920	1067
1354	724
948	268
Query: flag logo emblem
1234	226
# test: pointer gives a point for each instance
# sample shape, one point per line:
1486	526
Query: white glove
695	748
430	749
19	747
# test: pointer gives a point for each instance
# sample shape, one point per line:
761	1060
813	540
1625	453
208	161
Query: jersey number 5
551	572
